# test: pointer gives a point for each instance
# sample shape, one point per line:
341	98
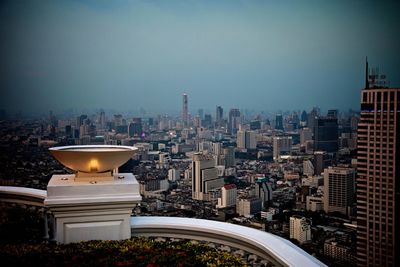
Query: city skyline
245	55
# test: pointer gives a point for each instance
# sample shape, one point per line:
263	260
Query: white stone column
92	210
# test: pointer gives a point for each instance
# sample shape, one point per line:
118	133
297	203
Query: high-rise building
234	120
135	127
228	196
219	115
279	122
326	134
255	125
246	139
311	118
102	120
185	112
281	145
304	117
300	229
248	206
80	120
321	161
173	175
263	192
229	155
207	122
305	135
308	168
204	176
378	174
339	189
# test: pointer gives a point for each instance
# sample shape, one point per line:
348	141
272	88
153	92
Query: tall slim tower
219	115
233	122
378	174
185	114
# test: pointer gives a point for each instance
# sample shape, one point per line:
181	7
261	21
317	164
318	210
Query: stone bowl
93	158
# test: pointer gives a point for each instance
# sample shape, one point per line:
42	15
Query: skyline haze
127	55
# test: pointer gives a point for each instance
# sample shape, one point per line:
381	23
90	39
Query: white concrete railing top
23	195
273	246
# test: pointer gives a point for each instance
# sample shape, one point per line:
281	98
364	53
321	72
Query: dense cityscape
292	174
252	130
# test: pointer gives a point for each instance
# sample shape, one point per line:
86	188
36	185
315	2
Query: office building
233	121
378	179
308	168
281	145
248	206
219	116
246	139
185	112
229	156
321	161
255	125
339	189
300	229
305	135
228	196
173	175
135	128
263	191
279	122
326	134
204	176
102	120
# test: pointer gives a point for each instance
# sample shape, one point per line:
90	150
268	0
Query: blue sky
262	55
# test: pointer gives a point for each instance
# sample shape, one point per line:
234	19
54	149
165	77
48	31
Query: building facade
326	134
378	188
228	196
300	229
281	145
246	139
204	176
339	189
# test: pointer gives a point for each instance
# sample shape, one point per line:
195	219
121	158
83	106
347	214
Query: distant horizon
174	114
127	55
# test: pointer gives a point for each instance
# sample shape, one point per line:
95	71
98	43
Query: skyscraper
338	189
219	114
233	122
185	113
135	127
279	122
326	134
378	169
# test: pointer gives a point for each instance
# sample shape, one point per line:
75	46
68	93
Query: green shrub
132	252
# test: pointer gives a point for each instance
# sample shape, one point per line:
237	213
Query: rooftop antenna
366	73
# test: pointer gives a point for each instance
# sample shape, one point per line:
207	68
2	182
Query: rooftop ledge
277	250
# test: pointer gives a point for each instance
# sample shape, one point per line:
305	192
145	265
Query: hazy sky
265	55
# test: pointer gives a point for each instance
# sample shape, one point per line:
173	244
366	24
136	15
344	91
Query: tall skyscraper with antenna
185	113
378	173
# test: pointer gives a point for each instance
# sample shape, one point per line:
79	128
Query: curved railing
23	195
275	249
278	251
